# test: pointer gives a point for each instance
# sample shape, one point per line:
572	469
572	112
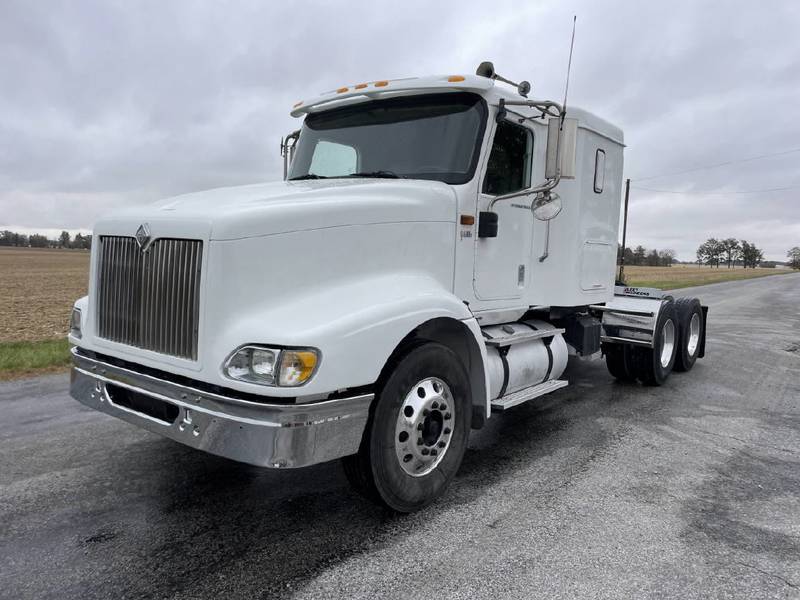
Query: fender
356	325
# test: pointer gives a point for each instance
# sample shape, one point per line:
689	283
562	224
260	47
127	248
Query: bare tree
710	252
667	257
751	255
731	248
639	254
38	241
794	257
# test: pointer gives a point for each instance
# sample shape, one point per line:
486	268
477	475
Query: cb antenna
569	67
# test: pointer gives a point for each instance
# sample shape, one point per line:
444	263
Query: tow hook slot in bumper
262	434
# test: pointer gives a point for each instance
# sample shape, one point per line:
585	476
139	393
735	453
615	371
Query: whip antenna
569	66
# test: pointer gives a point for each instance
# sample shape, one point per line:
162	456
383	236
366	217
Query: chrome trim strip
621	340
621	311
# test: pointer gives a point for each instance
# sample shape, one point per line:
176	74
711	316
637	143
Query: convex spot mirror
546	206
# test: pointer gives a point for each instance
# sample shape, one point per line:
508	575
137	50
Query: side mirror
551	160
487	224
561	146
546	206
288	146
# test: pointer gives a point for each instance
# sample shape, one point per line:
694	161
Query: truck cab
438	248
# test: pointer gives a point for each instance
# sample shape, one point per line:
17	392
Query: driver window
331	159
509	168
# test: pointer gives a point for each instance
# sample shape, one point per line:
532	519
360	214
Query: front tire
417	433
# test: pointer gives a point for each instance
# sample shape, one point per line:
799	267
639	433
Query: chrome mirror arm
545	108
288	145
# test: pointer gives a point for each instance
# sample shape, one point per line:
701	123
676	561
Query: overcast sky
105	104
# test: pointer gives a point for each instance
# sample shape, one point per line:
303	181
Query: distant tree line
641	256
35	240
730	252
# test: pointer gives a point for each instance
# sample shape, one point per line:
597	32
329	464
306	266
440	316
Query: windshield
434	137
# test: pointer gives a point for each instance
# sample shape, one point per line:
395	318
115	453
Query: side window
331	159
509	168
599	171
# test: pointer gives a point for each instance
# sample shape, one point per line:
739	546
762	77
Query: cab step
528	393
525	336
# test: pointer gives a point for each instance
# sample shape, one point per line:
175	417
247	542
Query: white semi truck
438	249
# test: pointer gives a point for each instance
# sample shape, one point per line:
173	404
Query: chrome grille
150	299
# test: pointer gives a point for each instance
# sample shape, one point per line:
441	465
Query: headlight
272	366
75	323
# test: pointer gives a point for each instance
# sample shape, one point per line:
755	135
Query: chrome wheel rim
694	334
667	343
424	426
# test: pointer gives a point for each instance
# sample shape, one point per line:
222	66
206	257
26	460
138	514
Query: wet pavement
601	490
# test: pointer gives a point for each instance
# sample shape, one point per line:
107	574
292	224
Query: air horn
486	69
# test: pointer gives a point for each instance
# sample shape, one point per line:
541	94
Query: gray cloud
105	104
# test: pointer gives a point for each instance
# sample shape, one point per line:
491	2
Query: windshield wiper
378	175
307	176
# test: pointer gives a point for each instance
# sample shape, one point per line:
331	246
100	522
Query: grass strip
21	359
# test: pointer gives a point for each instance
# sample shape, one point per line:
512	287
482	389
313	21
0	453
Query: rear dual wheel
690	332
653	365
618	361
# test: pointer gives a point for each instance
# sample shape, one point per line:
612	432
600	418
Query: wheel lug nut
434	452
441	444
425	451
443	406
435	405
447	415
447	430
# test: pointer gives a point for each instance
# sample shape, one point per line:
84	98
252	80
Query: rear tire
618	361
417	432
690	332
653	365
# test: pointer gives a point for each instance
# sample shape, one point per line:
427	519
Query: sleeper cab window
599	171
509	167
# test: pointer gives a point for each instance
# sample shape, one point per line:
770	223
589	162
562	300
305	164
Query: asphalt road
602	490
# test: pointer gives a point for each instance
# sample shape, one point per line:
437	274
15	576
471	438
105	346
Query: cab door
502	268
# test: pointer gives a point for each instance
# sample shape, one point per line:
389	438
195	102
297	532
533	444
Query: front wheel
417	433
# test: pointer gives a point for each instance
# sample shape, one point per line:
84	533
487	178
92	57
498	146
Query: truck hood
286	206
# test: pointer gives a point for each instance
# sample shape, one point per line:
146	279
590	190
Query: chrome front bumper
268	435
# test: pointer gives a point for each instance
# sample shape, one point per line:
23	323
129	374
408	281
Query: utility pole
624	230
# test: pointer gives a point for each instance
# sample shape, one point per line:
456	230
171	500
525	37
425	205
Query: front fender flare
356	325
